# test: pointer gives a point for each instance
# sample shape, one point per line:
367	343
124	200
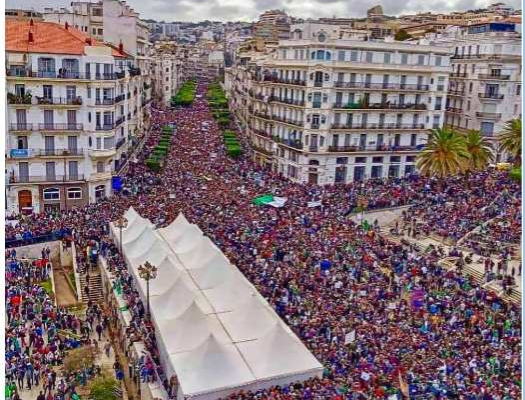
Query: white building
167	71
329	107
72	104
485	85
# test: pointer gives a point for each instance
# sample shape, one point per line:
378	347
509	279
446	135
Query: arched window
320	54
100	192
74	193
313	162
328	56
51	194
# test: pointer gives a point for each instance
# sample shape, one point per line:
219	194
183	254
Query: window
438	61
341	56
386	58
74	193
420	59
94	31
100	192
470	87
51	194
73	169
438	103
487	128
395	159
100	31
20	90
435	122
341	160
377	160
97	12
411	158
518	90
360	160
100	166
404	58
369	56
353	55
109	142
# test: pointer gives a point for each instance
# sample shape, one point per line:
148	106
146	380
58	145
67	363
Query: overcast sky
232	10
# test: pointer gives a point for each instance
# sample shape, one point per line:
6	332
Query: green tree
445	154
402	35
104	388
80	358
481	153
510	139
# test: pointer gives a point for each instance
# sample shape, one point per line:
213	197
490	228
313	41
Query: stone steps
95	288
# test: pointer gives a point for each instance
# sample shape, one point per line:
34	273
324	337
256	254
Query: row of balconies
45	178
352	85
58	101
374	126
27	73
27	153
480	76
46	127
493	96
381	106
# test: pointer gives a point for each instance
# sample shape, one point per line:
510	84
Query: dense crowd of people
326	276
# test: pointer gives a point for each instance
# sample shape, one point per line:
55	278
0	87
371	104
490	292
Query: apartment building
167	70
71	102
486	83
328	106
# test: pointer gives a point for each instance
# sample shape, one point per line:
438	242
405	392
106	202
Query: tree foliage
402	35
80	358
510	139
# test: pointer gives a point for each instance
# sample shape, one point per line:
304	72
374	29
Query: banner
350	337
270	200
312	204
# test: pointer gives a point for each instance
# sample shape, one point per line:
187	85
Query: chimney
30	39
66	26
121	48
89	42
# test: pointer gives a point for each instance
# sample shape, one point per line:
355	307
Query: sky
247	10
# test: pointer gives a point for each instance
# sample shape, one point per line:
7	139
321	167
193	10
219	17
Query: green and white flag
270	200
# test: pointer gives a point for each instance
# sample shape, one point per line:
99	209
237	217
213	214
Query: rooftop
48	37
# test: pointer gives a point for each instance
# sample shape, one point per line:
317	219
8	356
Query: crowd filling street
419	329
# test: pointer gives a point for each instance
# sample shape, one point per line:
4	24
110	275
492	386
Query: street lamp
147	272
121	223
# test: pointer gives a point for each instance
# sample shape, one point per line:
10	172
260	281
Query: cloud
230	10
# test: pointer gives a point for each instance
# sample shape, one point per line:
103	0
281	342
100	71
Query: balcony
263	150
120	121
491	96
134	71
27	73
286	101
119	98
456	92
318	84
120	143
383	147
105	127
120	75
488	115
454	110
378	126
381	106
314	125
105	76
21	127
272	79
261	132
104	102
295	143
14	179
59	152
458	75
383	86
19	99
494	76
60	127
59	101
102	153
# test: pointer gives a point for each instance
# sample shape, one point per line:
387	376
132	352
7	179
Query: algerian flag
365	225
270	200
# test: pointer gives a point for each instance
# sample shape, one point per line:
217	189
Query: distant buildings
328	106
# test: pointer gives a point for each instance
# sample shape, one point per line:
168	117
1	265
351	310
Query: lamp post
147	272
121	223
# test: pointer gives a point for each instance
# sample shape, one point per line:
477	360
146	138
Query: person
41	396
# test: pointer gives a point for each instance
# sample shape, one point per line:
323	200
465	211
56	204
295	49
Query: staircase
95	288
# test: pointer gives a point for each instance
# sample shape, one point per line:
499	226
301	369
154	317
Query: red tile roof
48	37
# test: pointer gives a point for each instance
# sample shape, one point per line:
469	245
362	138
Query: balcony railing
381	147
134	71
120	143
59	152
488	115
104	102
378	126
21	127
60	101
120	97
120	120
60	127
105	127
384	85
27	73
494	76
14	99
45	178
494	96
456	92
381	106
273	79
318	84
263	150
458	75
454	110
286	101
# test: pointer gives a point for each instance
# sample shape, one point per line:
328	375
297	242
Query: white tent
189	330
140	245
212	273
187	241
200	254
248	321
211	371
228	295
134	231
280	356
179	228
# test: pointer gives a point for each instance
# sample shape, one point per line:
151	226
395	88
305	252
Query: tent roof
213	272
228	295
277	353
211	367
200	254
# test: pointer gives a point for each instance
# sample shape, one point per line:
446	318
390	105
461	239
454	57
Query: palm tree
510	139
481	153
445	154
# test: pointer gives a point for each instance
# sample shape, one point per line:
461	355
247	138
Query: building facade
167	70
485	85
72	107
327	108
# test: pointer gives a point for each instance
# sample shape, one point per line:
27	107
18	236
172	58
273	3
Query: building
72	103
328	106
485	84
23	14
376	24
273	25
167	56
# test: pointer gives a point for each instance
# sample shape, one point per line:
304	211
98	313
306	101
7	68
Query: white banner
312	204
350	337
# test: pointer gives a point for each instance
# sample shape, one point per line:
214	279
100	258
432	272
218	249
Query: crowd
414	323
38	334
